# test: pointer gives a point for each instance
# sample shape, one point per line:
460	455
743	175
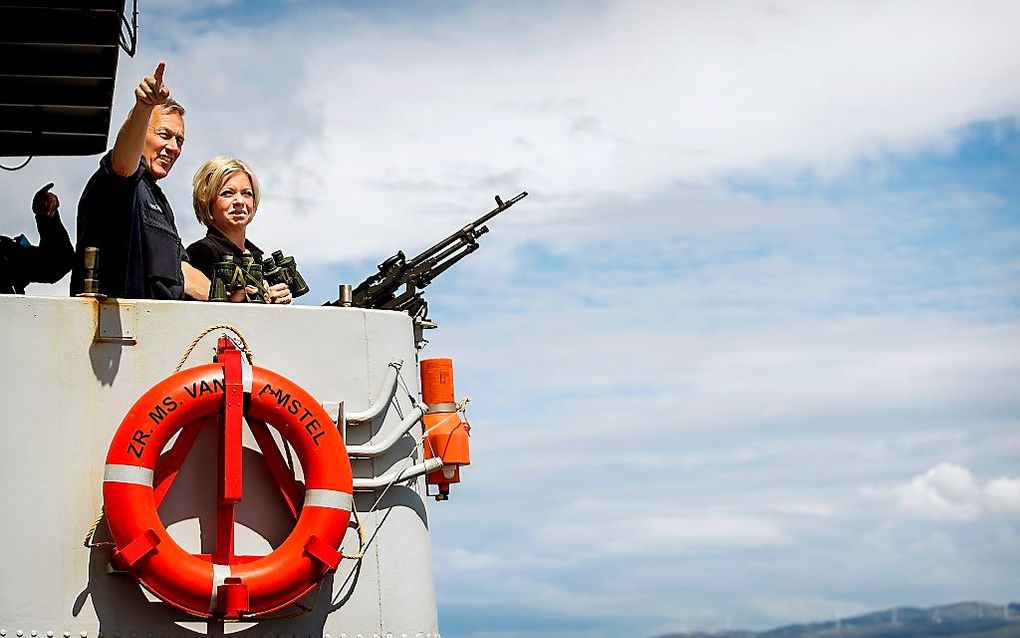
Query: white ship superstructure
72	369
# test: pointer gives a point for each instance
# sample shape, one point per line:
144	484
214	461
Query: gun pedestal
346	297
90	287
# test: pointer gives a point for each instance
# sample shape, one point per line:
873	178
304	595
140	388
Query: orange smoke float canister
446	435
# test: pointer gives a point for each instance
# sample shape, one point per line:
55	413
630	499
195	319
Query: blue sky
747	354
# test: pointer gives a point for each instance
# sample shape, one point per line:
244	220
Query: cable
17	168
407	390
129	42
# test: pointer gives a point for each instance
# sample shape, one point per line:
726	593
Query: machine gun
381	290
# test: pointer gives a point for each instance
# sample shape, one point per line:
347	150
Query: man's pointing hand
151	91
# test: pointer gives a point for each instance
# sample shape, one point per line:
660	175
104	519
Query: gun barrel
467	230
500	207
380	290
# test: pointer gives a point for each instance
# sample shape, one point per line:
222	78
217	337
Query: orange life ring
195	584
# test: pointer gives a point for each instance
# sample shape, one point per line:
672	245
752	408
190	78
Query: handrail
389	386
374	449
395	476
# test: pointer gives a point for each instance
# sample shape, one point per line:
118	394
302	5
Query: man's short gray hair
173	106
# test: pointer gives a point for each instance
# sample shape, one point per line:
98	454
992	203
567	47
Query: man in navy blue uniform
124	213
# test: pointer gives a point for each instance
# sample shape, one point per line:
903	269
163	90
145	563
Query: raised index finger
41	194
158	75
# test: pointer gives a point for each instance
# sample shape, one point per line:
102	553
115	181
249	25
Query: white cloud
691	378
373	132
949	492
460	559
946	491
802	508
635	97
362	127
1003	494
642	529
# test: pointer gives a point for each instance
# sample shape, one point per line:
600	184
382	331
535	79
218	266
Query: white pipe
374	449
396	476
389	386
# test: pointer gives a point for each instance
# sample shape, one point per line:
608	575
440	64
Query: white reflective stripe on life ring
220	575
133	474
246	374
333	499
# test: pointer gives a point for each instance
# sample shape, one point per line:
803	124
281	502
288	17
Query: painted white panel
66	395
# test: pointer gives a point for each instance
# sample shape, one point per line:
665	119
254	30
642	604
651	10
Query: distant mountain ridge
956	620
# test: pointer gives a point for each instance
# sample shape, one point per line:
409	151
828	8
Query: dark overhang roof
58	62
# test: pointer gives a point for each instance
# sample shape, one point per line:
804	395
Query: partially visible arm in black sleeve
53	257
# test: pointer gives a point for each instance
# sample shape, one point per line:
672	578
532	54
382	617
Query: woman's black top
211	249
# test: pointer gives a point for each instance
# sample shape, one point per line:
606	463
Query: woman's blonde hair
208	181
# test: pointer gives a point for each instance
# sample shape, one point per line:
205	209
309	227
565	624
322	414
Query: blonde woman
225	194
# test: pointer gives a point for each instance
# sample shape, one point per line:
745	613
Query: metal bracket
421	324
336	411
116	323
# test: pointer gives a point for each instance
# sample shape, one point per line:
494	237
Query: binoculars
233	273
283	270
